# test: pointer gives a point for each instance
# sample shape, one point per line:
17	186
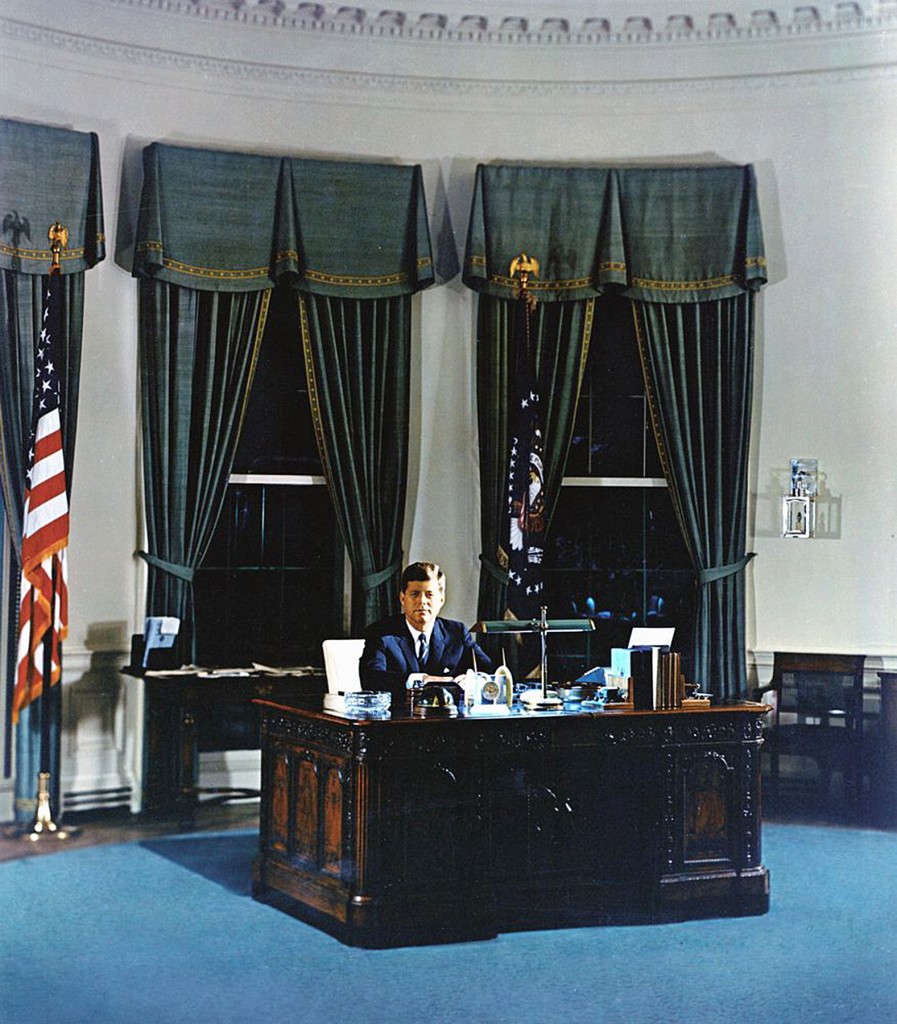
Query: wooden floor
120	826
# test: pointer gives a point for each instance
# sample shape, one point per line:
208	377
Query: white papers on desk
297	670
652	636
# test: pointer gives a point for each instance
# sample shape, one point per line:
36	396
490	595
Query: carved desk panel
407	830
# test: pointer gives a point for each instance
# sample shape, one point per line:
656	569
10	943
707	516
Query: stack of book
657	679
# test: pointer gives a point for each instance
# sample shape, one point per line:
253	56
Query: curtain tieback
374	579
183	572
720	572
494	570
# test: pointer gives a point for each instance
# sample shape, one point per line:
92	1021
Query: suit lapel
437	645
406	645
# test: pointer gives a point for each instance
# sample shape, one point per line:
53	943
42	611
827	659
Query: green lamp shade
533	626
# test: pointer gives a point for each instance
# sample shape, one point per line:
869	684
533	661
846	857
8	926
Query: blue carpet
166	932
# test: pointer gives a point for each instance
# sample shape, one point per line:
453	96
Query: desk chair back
341	659
823	687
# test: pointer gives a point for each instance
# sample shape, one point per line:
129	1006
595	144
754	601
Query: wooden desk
413	830
173	708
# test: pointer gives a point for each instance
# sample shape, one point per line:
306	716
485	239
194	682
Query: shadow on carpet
225	858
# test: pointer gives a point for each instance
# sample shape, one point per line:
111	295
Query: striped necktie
422	650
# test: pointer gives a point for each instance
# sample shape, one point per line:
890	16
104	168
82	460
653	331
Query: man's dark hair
420	571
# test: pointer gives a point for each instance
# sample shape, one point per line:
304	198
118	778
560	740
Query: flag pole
521	268
50	703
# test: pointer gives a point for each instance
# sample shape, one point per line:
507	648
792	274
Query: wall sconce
799	507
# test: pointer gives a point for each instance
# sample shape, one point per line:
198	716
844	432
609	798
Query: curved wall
811	102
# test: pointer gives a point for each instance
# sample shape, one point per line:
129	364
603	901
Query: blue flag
526	480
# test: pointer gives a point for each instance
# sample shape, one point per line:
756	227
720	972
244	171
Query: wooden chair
817	702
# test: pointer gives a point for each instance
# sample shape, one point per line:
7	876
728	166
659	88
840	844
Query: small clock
489	691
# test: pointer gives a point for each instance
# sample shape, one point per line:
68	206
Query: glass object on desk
570	695
367	704
597	701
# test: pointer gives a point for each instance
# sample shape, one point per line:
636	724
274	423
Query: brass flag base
44	827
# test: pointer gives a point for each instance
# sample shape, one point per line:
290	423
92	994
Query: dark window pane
616	366
581	441
618	436
238	536
270	588
612	434
614	555
278	435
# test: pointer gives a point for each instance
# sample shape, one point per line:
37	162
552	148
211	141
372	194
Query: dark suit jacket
389	656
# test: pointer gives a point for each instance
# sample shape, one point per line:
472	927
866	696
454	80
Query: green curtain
197	357
230	222
354	233
680	241
698	361
47	175
357	358
21	299
561	333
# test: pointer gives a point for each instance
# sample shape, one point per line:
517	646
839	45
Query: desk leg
188	774
171	763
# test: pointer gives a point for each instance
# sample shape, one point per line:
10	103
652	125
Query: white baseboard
7	798
230	769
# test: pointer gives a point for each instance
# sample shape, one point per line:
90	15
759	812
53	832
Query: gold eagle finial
59	240
524	266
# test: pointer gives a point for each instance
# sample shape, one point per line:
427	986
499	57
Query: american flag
526	481
43	613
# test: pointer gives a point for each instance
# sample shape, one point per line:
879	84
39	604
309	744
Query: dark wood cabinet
177	709
408	830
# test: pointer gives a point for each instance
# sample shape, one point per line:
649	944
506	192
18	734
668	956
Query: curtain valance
222	221
48	175
672	235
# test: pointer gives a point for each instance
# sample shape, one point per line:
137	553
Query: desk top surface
312	707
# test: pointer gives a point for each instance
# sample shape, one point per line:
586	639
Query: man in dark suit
418	643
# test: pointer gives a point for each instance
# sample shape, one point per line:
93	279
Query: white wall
816	114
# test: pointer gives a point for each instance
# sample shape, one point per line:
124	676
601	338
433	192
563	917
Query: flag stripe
43	611
47	505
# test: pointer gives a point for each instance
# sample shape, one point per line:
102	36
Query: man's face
421	601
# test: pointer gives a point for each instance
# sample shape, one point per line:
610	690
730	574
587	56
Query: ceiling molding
202	46
524	24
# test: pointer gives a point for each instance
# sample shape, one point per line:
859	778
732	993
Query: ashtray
571	694
362	703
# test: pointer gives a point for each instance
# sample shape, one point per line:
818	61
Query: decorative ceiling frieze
526	27
422	56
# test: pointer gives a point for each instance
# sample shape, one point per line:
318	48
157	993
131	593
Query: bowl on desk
570	694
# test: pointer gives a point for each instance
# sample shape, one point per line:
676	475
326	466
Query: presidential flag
43	613
526	480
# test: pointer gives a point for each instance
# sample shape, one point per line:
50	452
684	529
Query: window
614	552
271	586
